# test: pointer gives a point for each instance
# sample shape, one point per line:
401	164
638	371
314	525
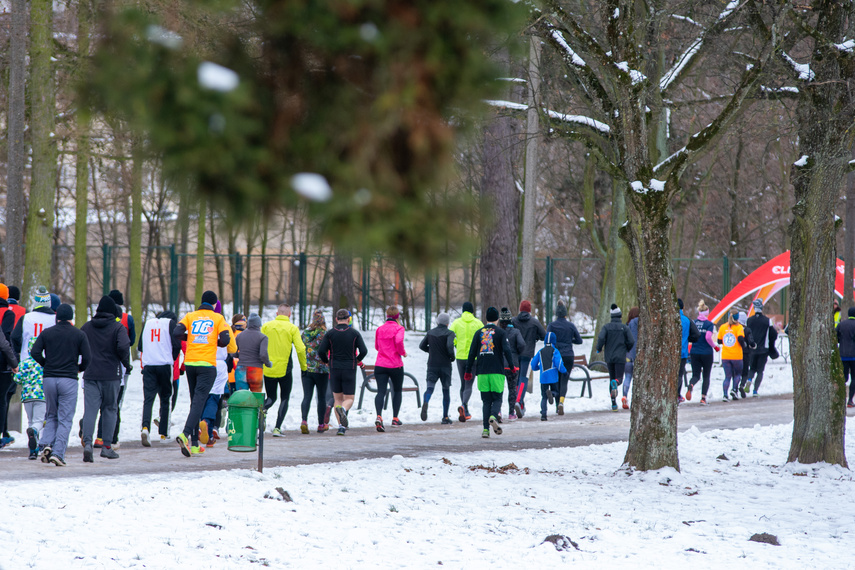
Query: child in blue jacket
548	360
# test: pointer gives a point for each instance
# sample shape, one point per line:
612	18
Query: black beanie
106	305
680	303
209	297
560	310
468	307
14	293
117	296
851	312
64	312
492	314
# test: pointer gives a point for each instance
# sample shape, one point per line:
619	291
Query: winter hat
525	306
55	302
64	312
443	319
167	315
560	310
743	318
851	312
117	296
680	303
342	314
209	297
4	291
318	320
392	312
703	315
615	312
14	293
758	305
505	314
106	305
218	307
253	321
42	297
468	307
492	315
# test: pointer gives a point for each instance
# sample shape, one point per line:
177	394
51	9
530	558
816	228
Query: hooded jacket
531	331
110	347
516	344
566	335
548	360
389	344
30	376
64	351
846	336
252	345
439	344
762	332
487	351
282	334
616	339
464	328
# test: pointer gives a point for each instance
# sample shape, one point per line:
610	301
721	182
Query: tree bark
16	118
849	244
343	281
531	171
81	226
40	216
135	241
200	254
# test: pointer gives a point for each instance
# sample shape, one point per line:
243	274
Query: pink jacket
389	342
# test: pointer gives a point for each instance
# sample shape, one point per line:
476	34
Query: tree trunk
653	419
135	241
343	281
40	216
16	118
182	237
531	171
81	227
200	254
262	296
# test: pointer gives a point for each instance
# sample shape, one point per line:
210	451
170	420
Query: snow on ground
482	509
778	380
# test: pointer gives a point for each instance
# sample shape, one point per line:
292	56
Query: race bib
201	330
729	339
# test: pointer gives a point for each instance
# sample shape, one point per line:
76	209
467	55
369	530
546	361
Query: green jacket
282	334
464	329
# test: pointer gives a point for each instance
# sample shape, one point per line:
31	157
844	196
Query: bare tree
15	140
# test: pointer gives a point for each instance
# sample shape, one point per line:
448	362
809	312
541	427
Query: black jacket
846	337
110	346
62	350
763	332
617	340
531	331
487	351
566	335
342	347
17	339
439	344
7	323
516	346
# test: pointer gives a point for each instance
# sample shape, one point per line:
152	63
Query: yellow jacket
281	334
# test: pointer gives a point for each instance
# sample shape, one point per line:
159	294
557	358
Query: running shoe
485	433
512	417
734	395
613	388
164	438
424	412
327	426
624	404
276	432
689	394
327	415
499	418
210	443
462	413
197	450
519	410
341	430
497	429
704	401
32	439
341	415
108	453
742	393
145	438
747	386
560	410
46	452
34	454
680	399
99	443
214	434
184	444
322	428
724	398
87	454
378	423
396	422
304	428
446	421
849	404
203	431
543	417
614	406
754	394
57	460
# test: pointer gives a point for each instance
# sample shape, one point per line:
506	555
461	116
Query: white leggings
35	414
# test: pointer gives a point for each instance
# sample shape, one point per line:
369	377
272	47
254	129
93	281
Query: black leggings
315	381
6	394
849	376
383	376
491	405
284	383
701	363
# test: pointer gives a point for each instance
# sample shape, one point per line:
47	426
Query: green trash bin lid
245	399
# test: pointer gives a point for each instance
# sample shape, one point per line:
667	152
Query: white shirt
156	343
32	326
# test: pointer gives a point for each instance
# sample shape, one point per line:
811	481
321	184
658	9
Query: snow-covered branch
570	55
563	117
802	70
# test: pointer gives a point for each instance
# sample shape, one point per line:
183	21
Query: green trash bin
243	420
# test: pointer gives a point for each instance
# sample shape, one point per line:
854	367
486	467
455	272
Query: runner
566	335
283	337
517	346
343	349
487	361
765	335
632	323
252	356
205	331
702	353
316	376
738	389
732	338
689	334
464	328
439	344
532	331
548	360
617	341
389	366
157	355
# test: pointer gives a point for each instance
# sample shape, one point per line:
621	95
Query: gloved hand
717	348
467	377
516	369
360	364
130	368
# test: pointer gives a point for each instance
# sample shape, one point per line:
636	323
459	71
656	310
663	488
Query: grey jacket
252	347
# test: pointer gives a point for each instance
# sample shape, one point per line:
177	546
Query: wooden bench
370	384
581	362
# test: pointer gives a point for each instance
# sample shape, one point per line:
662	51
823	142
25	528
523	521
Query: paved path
571	430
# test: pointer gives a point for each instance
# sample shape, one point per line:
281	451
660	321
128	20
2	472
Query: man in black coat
616	339
531	331
764	335
439	344
566	335
110	346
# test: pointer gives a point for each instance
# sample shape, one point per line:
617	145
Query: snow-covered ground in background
474	510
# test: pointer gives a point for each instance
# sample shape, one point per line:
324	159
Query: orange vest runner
203	328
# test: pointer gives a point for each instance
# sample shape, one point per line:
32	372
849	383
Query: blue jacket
549	370
686	324
633	330
566	335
